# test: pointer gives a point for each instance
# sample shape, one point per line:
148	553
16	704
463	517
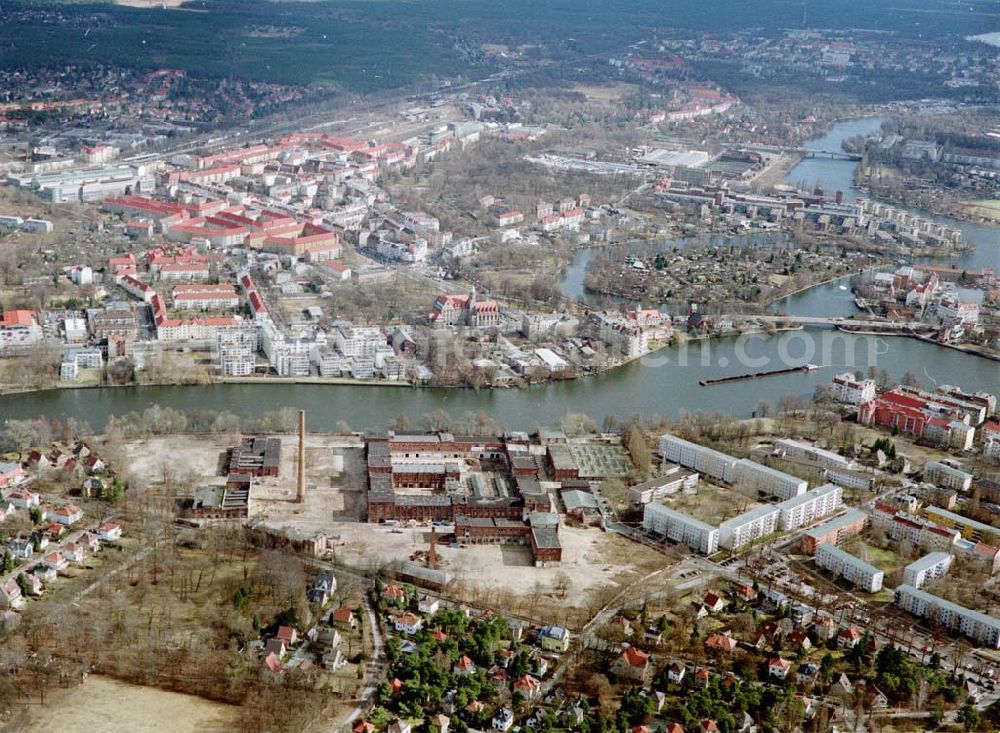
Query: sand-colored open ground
102	705
987	208
606	92
334	472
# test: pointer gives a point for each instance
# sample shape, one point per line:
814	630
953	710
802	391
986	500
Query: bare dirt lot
333	478
606	92
103	705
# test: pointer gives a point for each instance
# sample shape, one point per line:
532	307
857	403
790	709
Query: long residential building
865	576
797	449
834	531
947	476
980	627
768	481
930	566
722	467
680	527
918	531
969	528
706	461
752	525
806	508
674	479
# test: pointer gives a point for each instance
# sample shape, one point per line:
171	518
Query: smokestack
300	488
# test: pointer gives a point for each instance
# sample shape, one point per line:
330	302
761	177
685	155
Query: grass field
987	208
103	705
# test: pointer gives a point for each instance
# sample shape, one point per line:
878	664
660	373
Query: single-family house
33	584
273	664
332	659
713	602
539	664
848	638
276	647
56	561
720	643
632	664
799	641
394	595
676	672
503	721
343	618
528	686
74	552
842	687
825	628
21	549
622	625
553	638
408	623
428	605
44	573
23	499
778	668
441	722
674	728
109	531
322	588
363	726
806	673
90	541
463	667
10	595
287	634
66	515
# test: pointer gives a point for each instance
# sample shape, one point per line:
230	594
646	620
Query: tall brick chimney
300	486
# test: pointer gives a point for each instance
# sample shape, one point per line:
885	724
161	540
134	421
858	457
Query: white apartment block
857	572
752	525
680	527
673	479
76	359
808	507
947	477
918	531
930	566
979	627
705	461
846	388
359	340
767	480
206	301
850	478
797	449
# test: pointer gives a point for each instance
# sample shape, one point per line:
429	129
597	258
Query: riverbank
777	171
964	348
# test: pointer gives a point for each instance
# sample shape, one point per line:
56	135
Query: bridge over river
874	324
803	152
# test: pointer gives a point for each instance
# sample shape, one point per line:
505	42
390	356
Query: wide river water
664	383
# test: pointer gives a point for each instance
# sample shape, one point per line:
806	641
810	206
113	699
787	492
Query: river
663	383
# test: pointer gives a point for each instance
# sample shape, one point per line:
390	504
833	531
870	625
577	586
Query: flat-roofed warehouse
256	457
